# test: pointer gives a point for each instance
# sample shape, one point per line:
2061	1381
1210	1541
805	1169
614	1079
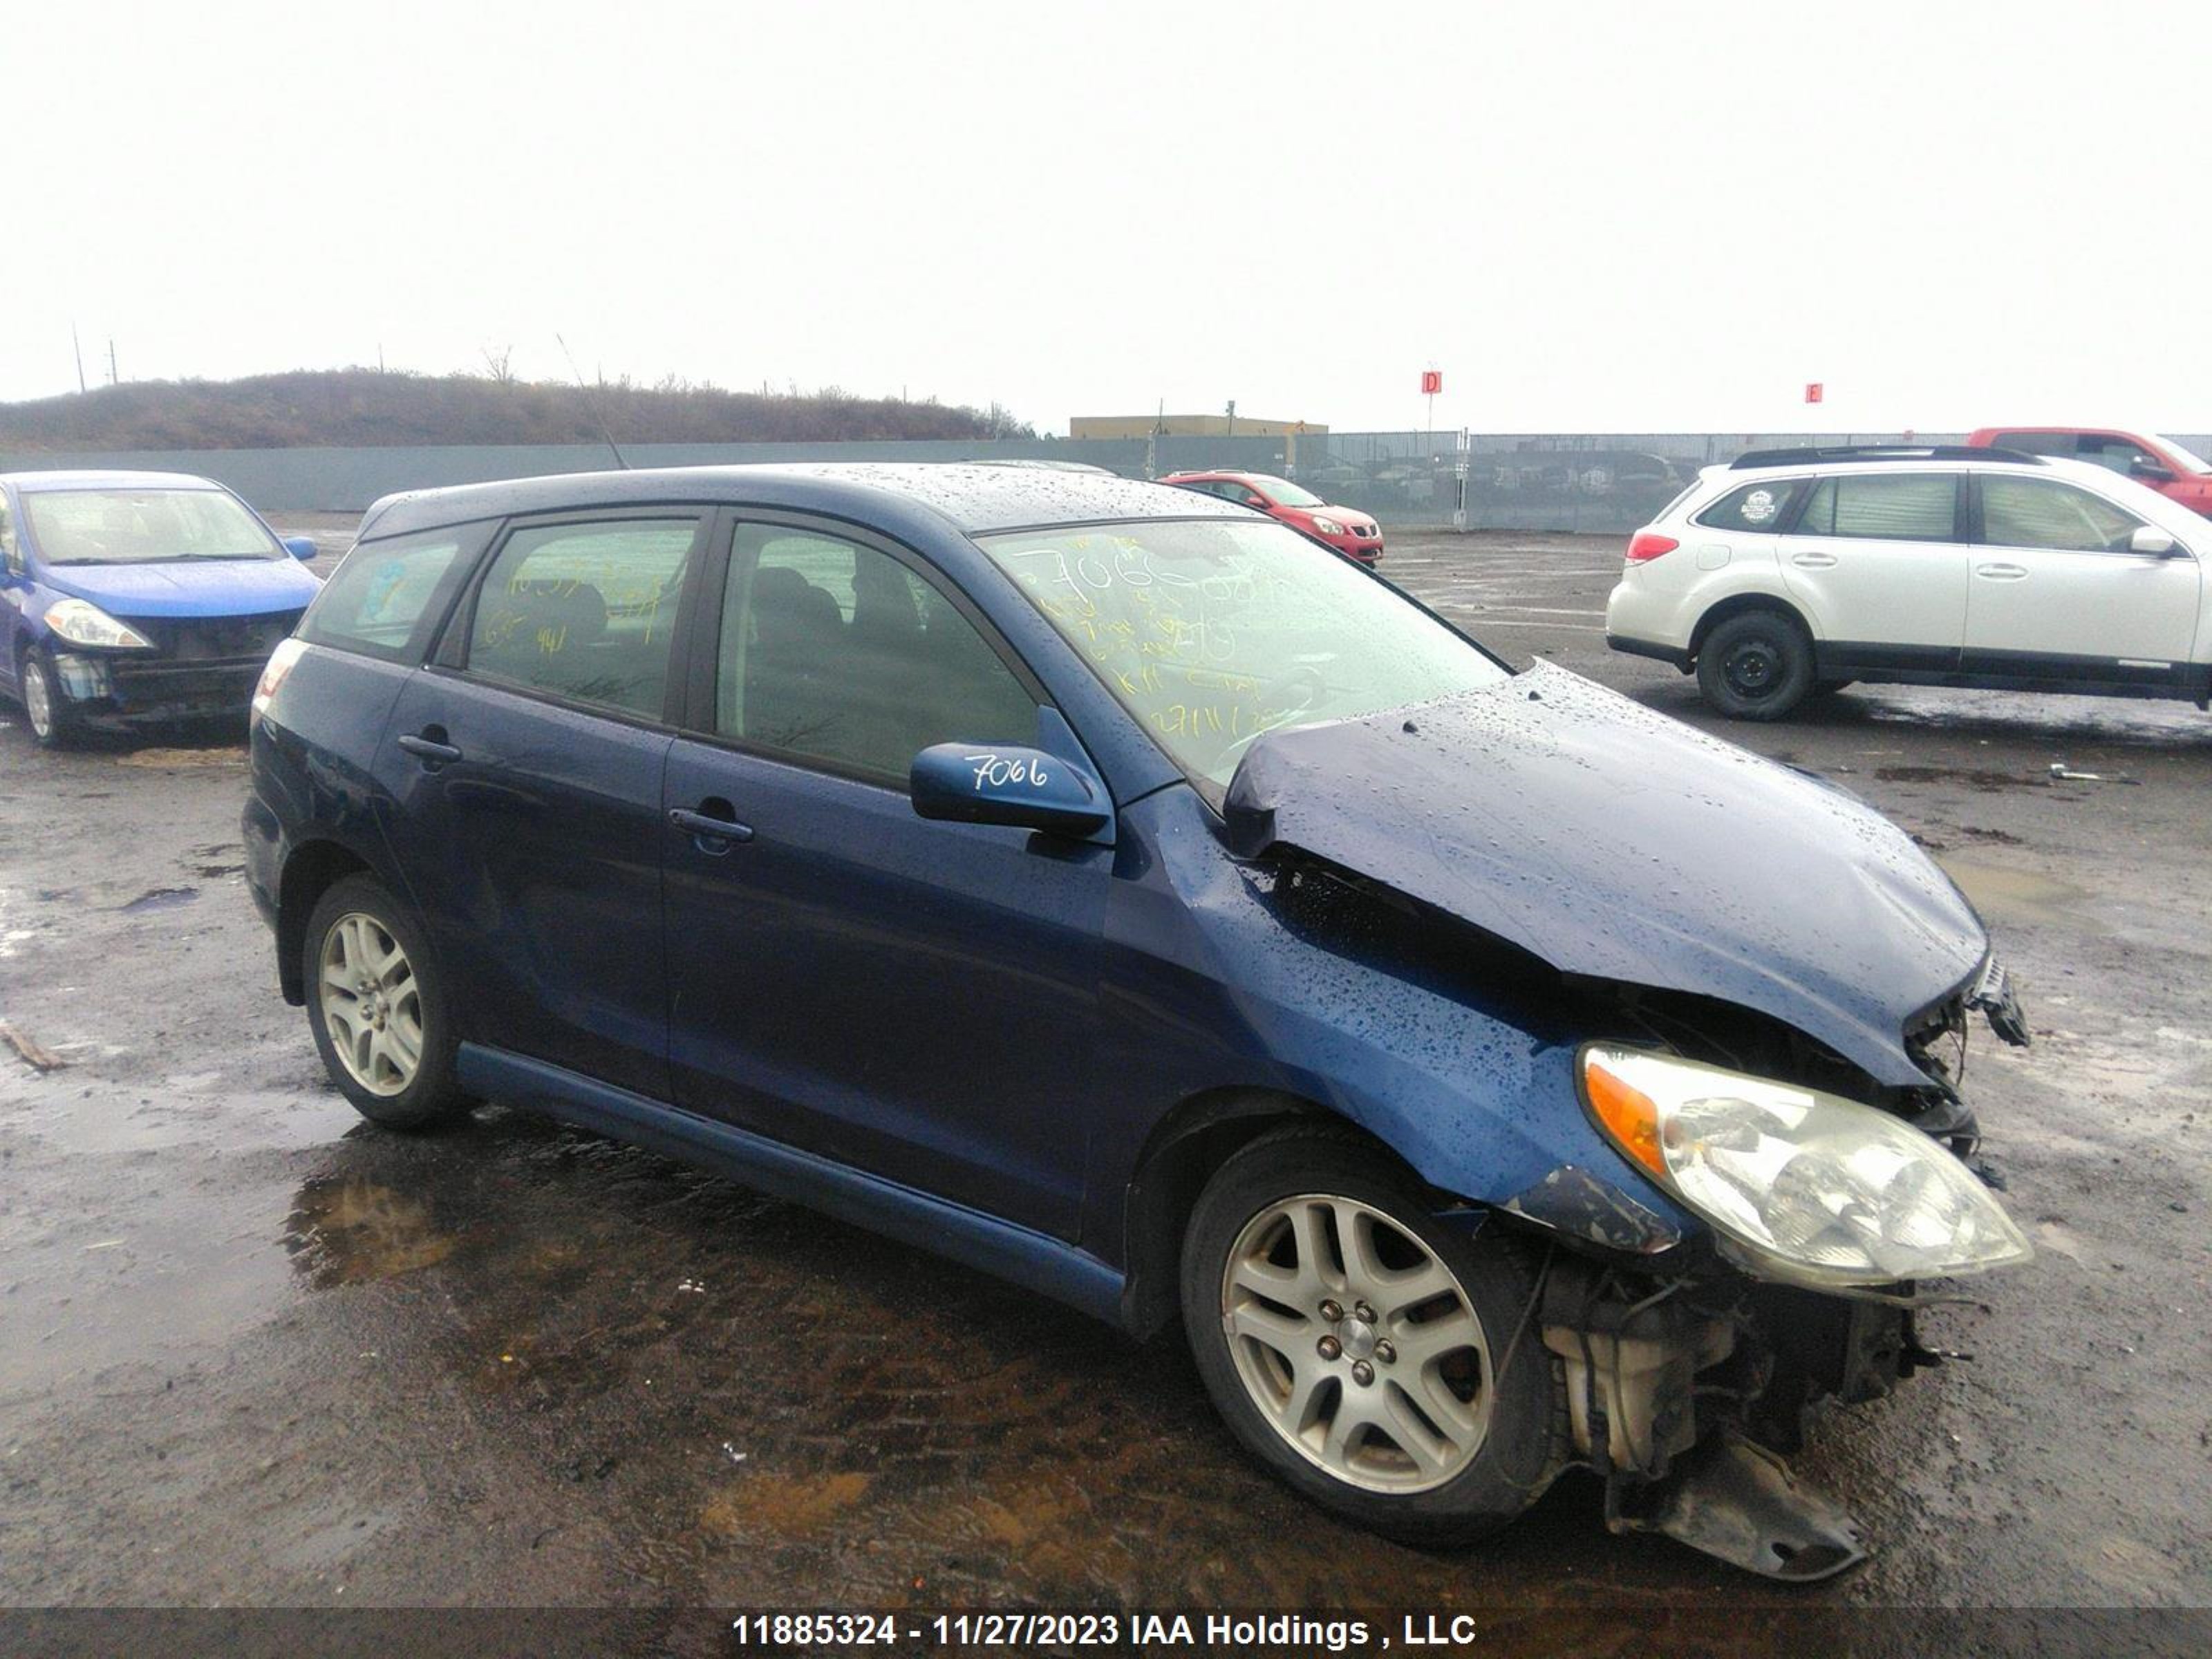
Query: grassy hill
368	407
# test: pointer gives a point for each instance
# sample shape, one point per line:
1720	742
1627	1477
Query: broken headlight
1803	1188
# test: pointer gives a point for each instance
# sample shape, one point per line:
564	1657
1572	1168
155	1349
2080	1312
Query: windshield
1213	633
144	526
2189	458
1287	494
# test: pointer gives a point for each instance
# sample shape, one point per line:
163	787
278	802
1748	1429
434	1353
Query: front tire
45	706
1756	665
378	1008
1358	1349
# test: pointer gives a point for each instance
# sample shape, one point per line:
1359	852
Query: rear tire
378	1008
1756	665
1434	1446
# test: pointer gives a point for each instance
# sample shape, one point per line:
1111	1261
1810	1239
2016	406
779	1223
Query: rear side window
1920	508
386	597
2035	443
586	612
1756	506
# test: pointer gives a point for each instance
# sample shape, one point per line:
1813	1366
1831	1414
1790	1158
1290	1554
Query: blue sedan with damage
1095	883
131	598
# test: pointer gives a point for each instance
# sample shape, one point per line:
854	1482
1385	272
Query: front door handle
2001	572
1815	561
428	750
712	834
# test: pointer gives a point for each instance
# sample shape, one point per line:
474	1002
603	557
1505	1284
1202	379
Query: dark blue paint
1003	784
1615	842
973	1035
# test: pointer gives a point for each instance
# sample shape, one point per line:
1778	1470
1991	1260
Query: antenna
592	403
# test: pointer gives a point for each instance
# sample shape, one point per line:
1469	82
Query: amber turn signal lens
1628	1115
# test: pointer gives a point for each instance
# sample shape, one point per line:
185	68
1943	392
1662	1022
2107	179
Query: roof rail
1882	452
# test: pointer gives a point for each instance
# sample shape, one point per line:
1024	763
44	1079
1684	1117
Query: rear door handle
2001	572
429	750
1813	561
704	829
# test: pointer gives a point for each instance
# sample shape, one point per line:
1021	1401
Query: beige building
1186	426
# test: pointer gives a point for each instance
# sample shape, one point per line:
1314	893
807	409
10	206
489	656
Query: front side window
1916	507
1213	633
144	526
2044	513
2120	455
836	652
586	612
1755	506
386	595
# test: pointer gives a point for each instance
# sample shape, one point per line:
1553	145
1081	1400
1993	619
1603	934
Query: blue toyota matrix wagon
1104	885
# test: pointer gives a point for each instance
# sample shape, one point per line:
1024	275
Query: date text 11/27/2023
1024	1631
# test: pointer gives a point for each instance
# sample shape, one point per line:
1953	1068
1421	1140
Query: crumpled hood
1615	842
208	587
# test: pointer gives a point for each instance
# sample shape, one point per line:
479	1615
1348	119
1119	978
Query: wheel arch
1737	605
311	870
1179	1156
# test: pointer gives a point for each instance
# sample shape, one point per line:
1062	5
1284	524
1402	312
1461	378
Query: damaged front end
1684	1392
1688	1375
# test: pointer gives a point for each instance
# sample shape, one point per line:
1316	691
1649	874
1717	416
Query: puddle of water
1998	890
353	1230
161	898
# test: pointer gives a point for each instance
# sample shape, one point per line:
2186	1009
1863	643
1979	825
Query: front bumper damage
1685	1391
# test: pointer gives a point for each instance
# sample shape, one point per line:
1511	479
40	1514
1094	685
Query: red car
2162	464
1349	532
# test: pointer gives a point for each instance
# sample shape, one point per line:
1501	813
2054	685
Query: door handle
2001	572
704	829
428	750
1813	561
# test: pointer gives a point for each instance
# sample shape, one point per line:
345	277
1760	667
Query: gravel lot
252	1352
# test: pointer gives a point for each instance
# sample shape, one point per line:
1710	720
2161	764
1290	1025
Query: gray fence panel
1588	483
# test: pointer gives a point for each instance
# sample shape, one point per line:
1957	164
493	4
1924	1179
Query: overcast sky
1608	217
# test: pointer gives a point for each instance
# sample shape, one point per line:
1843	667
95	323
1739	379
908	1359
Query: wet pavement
254	1351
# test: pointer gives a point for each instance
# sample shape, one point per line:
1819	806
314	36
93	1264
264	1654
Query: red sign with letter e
1812	390
1432	381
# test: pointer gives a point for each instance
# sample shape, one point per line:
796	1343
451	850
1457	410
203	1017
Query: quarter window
2043	512
585	612
386	595
837	652
1756	506
1884	508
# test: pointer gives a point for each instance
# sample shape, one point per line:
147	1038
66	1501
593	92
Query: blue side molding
1050	1267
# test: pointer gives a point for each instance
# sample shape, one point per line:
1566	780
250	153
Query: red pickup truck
2162	464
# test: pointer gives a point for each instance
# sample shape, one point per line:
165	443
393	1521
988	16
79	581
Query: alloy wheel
38	700
372	1005
1358	1345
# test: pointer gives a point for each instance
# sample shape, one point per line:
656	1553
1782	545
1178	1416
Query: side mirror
1000	783
2151	473
2149	538
300	547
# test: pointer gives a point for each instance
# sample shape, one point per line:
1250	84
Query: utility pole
1232	418
77	346
113	377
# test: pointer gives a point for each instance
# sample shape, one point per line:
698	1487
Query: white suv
1790	572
